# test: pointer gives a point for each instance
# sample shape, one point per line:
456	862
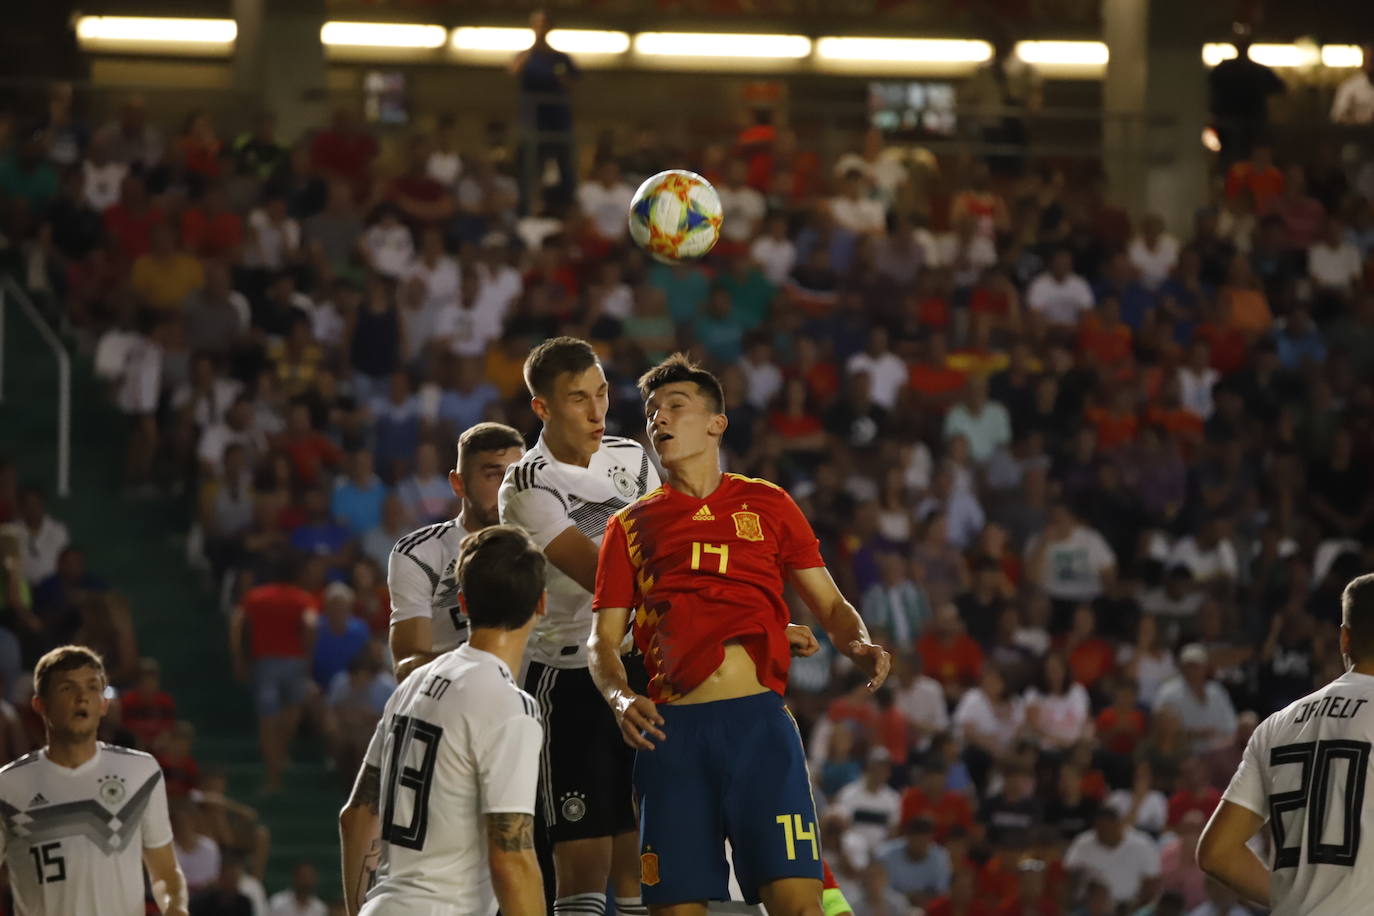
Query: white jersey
74	838
458	741
423	582
547	497
1304	771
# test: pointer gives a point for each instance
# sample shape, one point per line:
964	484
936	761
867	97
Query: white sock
631	906
580	905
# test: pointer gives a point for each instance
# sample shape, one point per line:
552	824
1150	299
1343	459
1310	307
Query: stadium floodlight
1214	52
712	44
1337	56
1063	53
904	50
569	41
154	29
1304	55
382	35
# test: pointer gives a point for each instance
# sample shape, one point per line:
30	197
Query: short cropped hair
65	658
680	368
487	437
501	574
554	357
1357	614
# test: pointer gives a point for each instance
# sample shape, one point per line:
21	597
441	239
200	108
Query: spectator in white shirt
774	252
920	699
742	208
1142	806
1057	709
984	424
1202	705
237	429
1122	858
1196	381
431	284
854	209
1154	252
39	537
1059	296
887	372
387	245
872	806
445	163
762	377
1208	554
1333	262
606	201
1071	561
300	900
1354	101
273	237
501	283
102	177
966	252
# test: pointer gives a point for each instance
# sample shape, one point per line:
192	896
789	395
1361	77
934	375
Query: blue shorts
279	684
732	769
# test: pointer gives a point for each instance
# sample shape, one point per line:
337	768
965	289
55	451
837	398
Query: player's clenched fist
802	641
639	720
872	660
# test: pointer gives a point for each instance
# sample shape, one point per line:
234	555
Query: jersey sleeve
157	823
508	766
537	508
411	589
799	547
1247	787
615	573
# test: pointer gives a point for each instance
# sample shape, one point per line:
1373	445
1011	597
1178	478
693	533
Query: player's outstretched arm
839	619
515	875
360	836
636	715
1222	853
411	641
169	884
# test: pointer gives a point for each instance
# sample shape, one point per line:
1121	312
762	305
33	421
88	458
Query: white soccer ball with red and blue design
675	216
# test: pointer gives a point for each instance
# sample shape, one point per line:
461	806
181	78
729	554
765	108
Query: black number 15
1313	797
48	862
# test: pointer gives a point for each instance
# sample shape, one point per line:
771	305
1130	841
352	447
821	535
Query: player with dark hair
702	562
441	818
425	617
562	492
79	819
1304	771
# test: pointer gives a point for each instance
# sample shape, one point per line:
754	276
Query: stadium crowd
1096	486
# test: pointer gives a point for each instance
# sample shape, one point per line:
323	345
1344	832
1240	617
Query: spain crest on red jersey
747	526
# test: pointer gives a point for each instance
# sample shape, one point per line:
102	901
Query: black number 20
48	862
1313	796
417	779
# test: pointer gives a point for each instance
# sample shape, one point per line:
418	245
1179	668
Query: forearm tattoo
367	790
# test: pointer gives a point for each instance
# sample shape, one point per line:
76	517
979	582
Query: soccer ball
675	216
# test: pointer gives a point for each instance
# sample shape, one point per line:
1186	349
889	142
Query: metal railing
10	292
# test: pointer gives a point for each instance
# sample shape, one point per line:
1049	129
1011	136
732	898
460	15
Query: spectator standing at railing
1240	89
1354	101
999	95
545	113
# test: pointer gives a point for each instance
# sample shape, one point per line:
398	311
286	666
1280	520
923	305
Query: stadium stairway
139	547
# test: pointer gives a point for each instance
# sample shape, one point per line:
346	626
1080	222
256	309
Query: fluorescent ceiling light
383	34
150	28
569	41
1284	56
710	44
1073	53
1342	56
906	50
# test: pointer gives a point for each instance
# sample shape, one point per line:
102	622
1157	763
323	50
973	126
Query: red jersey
699	572
276	620
147	716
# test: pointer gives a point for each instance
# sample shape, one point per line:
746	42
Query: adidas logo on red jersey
704	515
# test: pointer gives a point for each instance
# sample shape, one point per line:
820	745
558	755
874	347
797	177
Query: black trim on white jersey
523	477
408	543
618	442
30	757
590	518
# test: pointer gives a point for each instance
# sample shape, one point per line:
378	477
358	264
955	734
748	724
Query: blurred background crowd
1095	483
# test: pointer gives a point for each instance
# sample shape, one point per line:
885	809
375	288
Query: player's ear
455	483
463	603
1345	641
719	423
540	408
36	702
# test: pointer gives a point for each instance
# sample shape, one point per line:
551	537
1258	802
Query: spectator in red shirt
310	450
1090	656
997	879
280	620
423	202
146	709
210	229
1121	726
179	767
1259	176
344	150
1032	896
1103	336
962	899
1192	793
130	222
930	798
948	654
199	148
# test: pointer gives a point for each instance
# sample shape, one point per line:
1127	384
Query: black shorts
586	771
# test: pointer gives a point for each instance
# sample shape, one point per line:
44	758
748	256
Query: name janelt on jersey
1332	706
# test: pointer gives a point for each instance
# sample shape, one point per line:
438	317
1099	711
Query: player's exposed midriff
736	676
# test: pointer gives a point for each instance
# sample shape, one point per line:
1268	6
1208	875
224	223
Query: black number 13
1313	796
405	732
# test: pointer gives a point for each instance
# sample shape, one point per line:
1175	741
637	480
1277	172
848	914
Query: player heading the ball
702	562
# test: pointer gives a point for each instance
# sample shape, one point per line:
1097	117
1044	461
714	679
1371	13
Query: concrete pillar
279	61
1154	99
